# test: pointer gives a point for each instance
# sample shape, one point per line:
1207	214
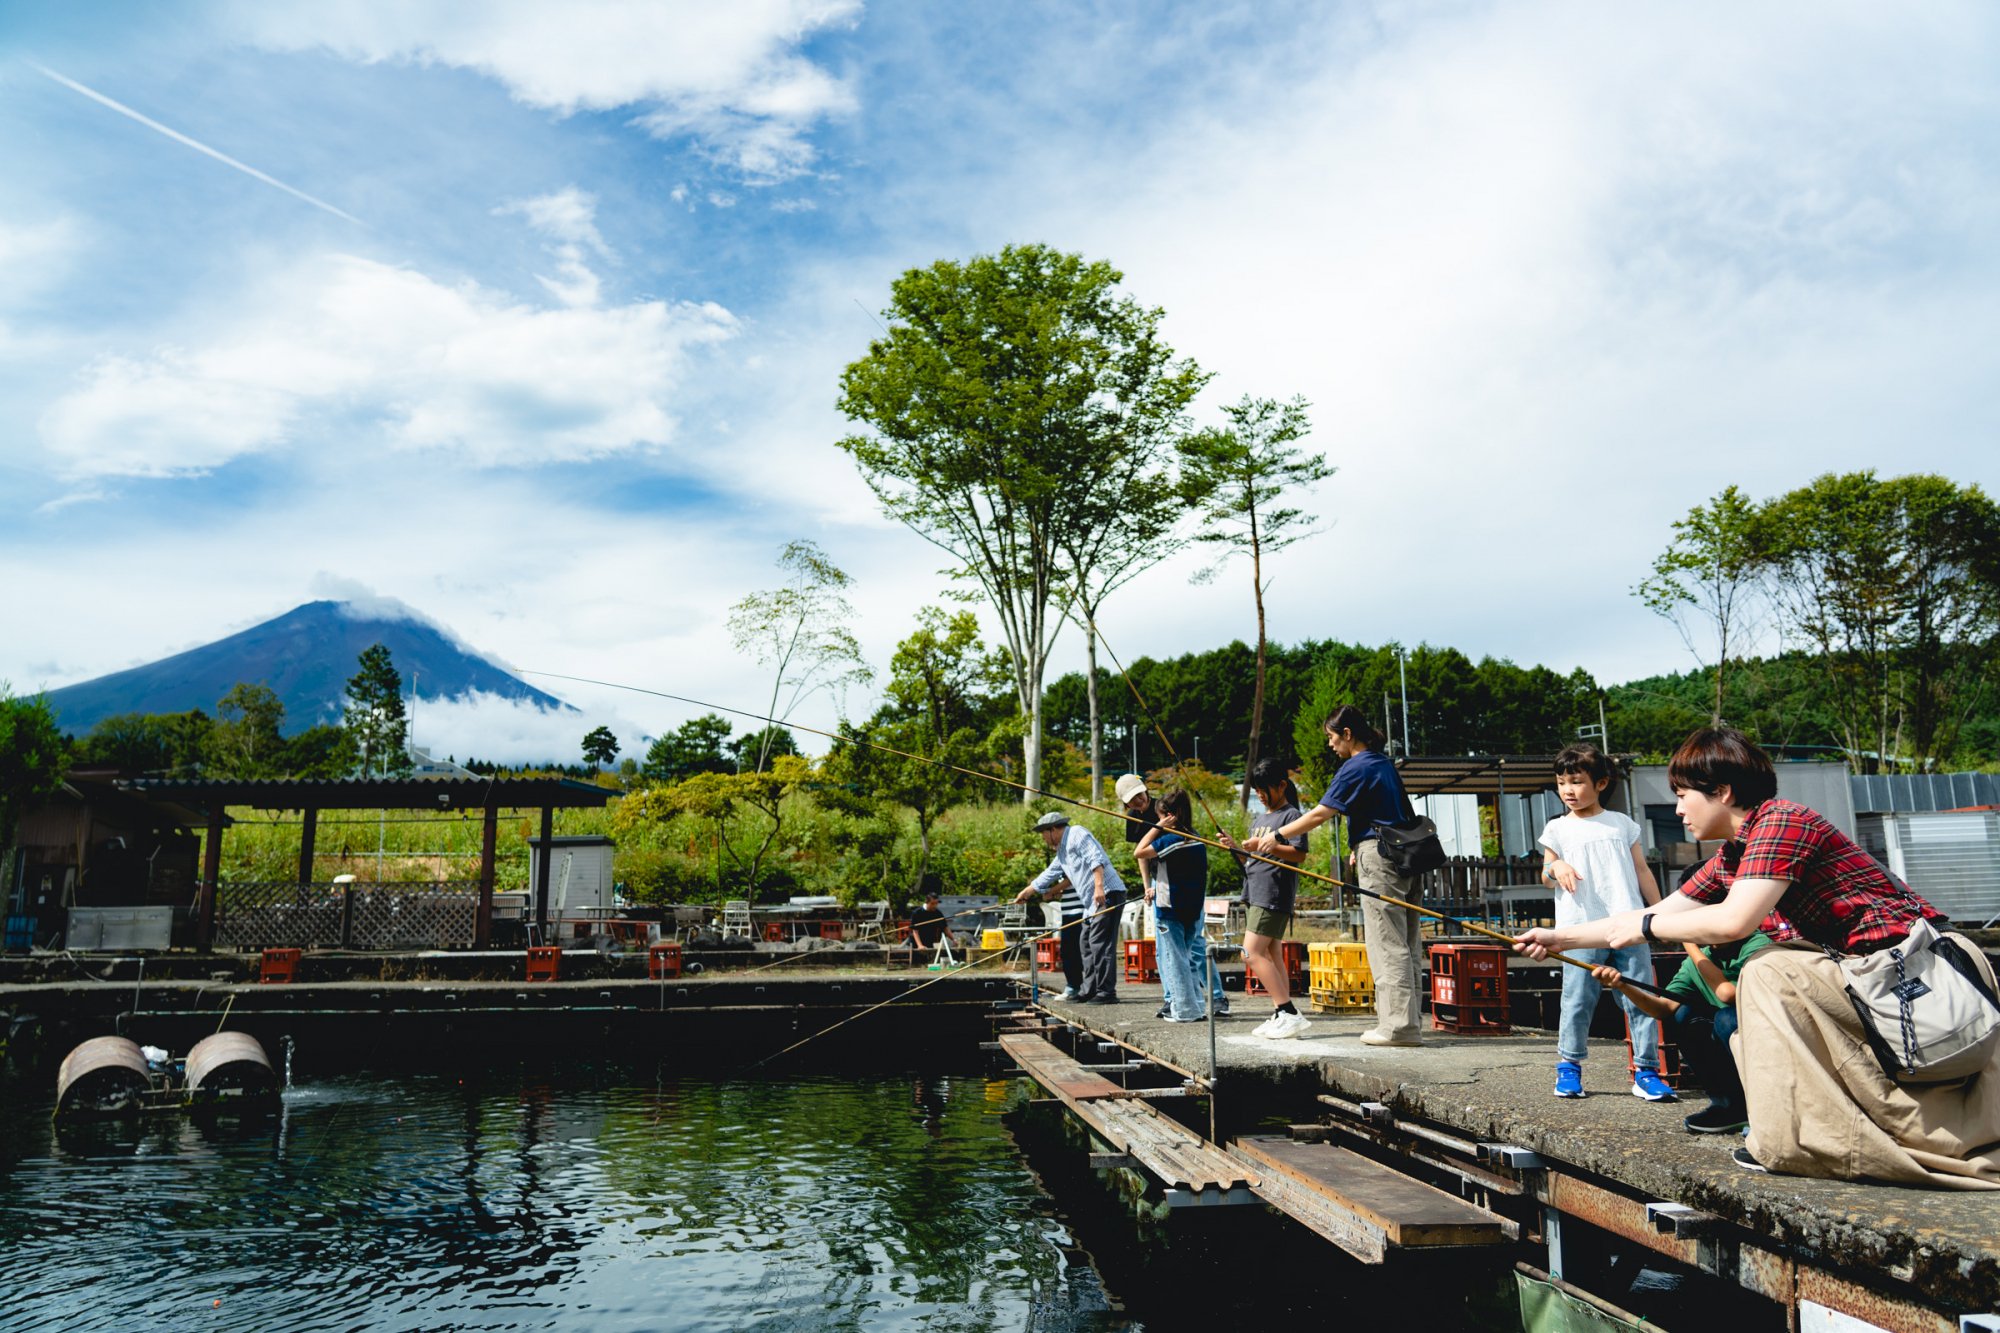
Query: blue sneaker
1569	1078
1648	1086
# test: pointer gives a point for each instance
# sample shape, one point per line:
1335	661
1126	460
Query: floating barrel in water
229	1067
103	1076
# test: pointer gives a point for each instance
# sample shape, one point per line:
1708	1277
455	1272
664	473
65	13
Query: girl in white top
1594	860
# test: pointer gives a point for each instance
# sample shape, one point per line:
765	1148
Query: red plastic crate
663	960
278	966
1141	962
1469	988
545	963
1048	953
1298	970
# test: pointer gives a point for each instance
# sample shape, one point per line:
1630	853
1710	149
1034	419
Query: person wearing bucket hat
1091	892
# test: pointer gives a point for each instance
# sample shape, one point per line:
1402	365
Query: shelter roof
1484	774
374	793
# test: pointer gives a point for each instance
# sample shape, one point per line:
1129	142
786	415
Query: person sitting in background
929	923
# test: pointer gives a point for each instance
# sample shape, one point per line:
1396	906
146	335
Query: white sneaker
1268	1026
1285	1026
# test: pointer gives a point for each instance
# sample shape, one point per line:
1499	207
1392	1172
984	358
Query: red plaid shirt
1836	893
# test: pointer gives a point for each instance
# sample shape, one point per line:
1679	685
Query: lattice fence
276	915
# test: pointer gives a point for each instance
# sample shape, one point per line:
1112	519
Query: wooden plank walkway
1173	1154
1360	1205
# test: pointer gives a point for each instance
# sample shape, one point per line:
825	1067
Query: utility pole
1403	675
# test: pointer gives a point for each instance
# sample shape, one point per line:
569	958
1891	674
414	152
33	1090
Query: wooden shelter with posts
189	817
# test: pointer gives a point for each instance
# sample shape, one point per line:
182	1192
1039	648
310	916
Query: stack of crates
1293	952
1469	988
1341	979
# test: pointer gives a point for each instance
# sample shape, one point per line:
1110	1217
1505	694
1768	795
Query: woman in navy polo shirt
1818	1102
1368	790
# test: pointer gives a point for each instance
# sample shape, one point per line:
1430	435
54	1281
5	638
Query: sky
531	317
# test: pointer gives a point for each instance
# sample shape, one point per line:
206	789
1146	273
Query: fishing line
1159	731
1470	927
1067	925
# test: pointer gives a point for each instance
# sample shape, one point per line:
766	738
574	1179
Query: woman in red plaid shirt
1819	1104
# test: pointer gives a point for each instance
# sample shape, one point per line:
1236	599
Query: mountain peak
306	656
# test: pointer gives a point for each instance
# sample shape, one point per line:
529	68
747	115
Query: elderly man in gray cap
1091	894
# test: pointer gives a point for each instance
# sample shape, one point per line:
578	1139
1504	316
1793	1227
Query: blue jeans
1579	1002
1182	954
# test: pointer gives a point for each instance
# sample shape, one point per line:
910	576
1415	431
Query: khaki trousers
1394	953
1819	1103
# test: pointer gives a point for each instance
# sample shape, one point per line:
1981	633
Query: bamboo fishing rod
1471	927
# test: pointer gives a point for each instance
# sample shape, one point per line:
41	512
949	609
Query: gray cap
1053	819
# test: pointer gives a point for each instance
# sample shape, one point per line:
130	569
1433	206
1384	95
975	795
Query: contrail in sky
199	147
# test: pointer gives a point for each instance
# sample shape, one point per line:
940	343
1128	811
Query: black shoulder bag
1411	846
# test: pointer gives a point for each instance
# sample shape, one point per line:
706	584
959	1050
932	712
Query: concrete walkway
1944	1244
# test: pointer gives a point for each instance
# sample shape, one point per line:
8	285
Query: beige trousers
1395	954
1819	1103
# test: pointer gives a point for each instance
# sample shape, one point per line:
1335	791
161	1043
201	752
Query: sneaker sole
1570	1096
1644	1096
1736	1128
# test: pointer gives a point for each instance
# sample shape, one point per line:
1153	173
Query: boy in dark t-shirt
1700	1010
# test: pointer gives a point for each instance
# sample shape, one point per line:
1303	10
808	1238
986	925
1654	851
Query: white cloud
568	217
381	355
728	76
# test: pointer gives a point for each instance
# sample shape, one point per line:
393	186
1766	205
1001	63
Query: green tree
373	715
1244	473
765	743
321	752
33	756
154	744
695	746
1707	581
600	747
1951	623
940	679
247	740
800	631
997	403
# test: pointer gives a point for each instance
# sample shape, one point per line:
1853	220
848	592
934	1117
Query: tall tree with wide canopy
1243	474
999	403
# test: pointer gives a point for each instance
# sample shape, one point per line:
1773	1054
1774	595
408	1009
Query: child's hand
1170	821
1223	837
1607	976
1563	873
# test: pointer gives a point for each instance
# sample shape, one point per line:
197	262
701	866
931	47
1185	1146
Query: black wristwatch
1646	928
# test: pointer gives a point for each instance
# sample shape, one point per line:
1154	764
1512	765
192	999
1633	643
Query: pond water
609	1199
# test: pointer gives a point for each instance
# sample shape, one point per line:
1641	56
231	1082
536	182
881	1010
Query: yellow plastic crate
1340	968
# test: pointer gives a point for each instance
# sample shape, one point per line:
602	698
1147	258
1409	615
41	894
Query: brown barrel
229	1066
103	1076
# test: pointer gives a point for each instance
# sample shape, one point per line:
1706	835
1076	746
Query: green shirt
1688	983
